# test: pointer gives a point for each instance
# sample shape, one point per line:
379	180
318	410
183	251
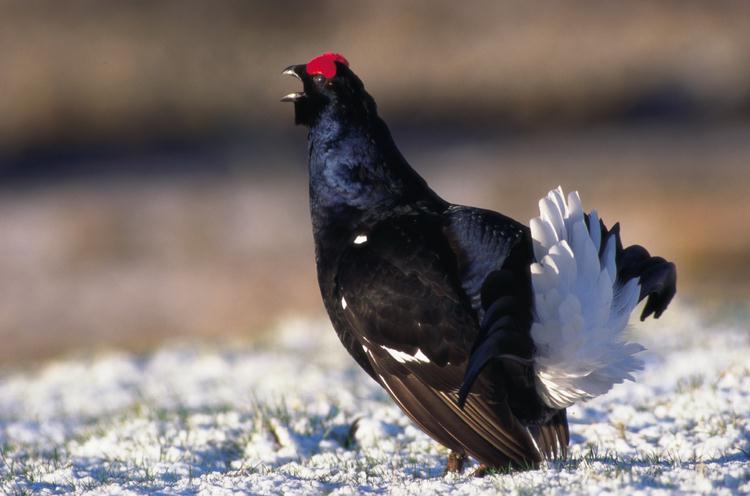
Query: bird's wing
494	254
485	243
404	300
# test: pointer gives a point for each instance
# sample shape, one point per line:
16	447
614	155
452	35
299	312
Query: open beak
295	71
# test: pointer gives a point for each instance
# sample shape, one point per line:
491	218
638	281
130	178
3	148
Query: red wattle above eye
325	64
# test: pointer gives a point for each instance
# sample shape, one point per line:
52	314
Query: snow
297	417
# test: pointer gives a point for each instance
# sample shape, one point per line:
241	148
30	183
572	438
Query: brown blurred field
89	70
153	187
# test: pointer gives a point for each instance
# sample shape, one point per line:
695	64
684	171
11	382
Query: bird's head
327	82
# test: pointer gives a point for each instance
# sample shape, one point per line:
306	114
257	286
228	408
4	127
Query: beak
294	71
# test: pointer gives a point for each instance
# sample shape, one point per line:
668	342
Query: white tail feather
580	311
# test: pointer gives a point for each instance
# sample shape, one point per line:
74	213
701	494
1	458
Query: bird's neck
357	174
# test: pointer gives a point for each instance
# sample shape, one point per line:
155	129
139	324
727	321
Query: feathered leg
456	461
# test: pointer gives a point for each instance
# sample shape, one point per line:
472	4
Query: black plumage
433	300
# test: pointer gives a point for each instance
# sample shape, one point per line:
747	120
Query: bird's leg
456	461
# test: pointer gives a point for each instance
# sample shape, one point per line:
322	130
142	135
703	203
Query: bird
481	329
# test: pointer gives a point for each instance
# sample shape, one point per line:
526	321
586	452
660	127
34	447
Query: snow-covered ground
296	416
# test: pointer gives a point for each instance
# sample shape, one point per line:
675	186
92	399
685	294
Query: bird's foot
456	461
481	471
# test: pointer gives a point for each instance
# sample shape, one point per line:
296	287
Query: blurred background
152	187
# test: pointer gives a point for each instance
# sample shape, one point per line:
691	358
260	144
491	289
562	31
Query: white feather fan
580	311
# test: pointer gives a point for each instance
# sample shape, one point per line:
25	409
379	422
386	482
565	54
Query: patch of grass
690	383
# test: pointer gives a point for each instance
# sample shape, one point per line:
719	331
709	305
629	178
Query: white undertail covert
580	310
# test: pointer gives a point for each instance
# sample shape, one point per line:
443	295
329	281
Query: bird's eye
319	78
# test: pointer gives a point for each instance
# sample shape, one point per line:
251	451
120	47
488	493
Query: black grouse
481	329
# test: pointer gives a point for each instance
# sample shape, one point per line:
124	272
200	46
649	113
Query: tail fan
580	308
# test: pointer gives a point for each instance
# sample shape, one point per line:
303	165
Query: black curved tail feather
657	276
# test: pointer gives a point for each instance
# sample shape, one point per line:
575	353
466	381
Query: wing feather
402	294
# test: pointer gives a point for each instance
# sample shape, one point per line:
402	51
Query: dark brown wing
405	304
494	254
